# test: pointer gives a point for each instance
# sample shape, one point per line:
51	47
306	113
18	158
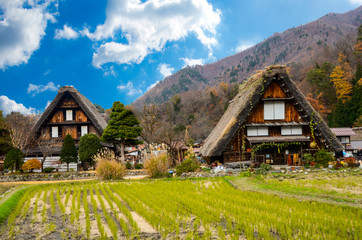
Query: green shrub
48	169
138	166
89	145
245	174
308	158
157	165
263	169
190	164
128	165
322	157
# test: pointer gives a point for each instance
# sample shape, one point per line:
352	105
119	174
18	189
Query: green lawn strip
288	187
293	188
9	205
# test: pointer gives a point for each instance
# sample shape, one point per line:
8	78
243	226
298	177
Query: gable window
55	132
274	110
292	130
257	131
84	130
69	115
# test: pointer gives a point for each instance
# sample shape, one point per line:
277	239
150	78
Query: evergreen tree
89	145
14	159
68	154
5	140
123	126
319	78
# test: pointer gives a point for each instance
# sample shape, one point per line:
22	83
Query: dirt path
245	184
11	193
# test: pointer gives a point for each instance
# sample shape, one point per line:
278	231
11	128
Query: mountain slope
302	45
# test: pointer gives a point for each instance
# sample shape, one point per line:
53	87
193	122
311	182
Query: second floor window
69	115
274	110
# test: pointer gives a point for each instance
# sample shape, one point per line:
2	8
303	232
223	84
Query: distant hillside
300	46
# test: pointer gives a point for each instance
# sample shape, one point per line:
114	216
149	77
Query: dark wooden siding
80	116
274	91
57	117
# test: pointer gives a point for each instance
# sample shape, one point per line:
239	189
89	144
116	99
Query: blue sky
117	49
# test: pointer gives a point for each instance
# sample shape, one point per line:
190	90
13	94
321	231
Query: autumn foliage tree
318	105
341	77
31	164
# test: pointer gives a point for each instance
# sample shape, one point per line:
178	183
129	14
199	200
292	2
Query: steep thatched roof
88	108
249	94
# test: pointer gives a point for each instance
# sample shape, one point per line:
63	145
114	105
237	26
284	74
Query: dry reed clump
107	167
157	164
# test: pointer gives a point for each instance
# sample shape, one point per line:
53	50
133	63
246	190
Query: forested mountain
297	47
195	98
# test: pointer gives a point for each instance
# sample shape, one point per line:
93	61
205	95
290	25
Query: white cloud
165	69
243	45
356	2
47	72
130	89
35	89
66	33
22	26
192	62
148	26
109	71
7	106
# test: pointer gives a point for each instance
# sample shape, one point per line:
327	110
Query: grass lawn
336	187
175	209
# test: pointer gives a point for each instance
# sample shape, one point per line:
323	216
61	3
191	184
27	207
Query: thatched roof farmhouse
270	117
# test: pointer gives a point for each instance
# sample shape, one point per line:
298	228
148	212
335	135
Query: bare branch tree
150	121
20	129
48	147
173	139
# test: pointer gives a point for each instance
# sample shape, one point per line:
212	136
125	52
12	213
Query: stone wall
47	177
55	176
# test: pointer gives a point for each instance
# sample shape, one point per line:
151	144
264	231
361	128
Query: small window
84	130
257	131
274	110
292	130
54	132
69	115
344	139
